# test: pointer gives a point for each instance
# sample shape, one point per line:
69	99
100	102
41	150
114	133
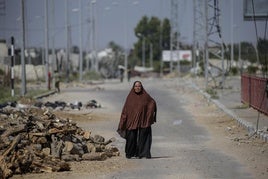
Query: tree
109	64
152	30
262	47
75	49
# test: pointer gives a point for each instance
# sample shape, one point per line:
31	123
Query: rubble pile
61	105
34	140
57	105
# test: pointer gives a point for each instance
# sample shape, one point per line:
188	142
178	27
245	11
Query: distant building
3	51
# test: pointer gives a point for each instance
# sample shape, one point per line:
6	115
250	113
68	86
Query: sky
115	20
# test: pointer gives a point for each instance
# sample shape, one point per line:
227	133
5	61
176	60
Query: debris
36	140
93	104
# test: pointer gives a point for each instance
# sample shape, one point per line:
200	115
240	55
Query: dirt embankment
227	135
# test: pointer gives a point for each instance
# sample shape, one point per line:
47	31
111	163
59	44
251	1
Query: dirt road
191	139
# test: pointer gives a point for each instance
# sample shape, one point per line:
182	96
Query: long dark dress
138	114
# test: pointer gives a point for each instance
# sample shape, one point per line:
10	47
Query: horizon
115	21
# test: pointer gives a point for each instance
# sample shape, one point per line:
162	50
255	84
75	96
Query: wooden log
4	166
12	146
55	131
111	151
54	166
12	131
42	167
38	134
86	135
98	139
109	141
70	157
56	147
68	146
95	156
91	147
73	148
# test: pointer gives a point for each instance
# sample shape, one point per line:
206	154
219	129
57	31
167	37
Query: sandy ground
226	135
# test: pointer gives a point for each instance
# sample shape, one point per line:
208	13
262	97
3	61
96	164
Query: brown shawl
139	111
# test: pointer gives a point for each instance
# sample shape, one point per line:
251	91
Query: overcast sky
115	21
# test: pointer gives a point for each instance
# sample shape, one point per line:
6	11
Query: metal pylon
199	32
208	38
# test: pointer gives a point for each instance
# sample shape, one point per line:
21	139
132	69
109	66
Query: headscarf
139	110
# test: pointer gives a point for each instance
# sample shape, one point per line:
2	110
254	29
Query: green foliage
248	52
201	65
92	75
157	66
264	69
252	69
263	53
5	94
213	93
115	47
153	32
185	62
234	70
2	72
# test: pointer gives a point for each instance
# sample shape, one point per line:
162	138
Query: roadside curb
247	125
45	94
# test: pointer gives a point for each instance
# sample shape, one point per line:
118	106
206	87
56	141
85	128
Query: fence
253	92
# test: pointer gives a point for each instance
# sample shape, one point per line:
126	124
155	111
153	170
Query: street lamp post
143	51
46	46
151	55
232	33
96	65
67	40
80	50
80	39
126	47
23	69
143	48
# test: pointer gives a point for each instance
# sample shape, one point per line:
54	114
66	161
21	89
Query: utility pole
46	46
161	40
81	48
54	63
126	46
67	40
206	44
151	55
12	65
232	32
194	36
96	64
143	51
23	74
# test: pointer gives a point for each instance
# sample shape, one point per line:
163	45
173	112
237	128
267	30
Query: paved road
178	149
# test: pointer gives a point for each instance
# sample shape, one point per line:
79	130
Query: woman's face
137	87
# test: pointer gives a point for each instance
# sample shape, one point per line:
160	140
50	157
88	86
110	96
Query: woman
138	114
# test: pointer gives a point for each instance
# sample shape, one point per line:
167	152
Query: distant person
128	75
57	81
138	114
57	86
121	74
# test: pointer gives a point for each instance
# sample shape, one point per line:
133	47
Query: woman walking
138	114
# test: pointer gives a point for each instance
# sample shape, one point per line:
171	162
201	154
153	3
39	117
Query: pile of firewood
35	140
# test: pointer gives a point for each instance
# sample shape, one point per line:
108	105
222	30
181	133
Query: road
179	147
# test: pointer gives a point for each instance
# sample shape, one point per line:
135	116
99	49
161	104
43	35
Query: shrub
252	69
